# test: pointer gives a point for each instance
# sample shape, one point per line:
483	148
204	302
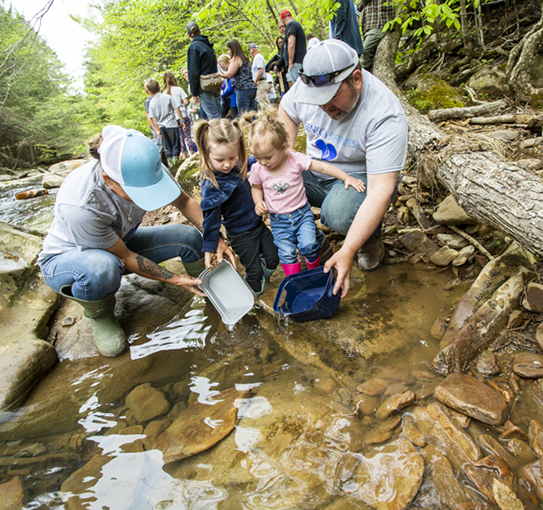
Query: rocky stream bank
424	391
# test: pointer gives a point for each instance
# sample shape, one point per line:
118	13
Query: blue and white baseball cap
133	160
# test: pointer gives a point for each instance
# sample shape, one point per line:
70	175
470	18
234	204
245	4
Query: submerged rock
146	402
199	427
390	477
440	485
485	471
470	396
434	424
528	364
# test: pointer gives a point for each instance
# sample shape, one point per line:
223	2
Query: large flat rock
26	304
469	396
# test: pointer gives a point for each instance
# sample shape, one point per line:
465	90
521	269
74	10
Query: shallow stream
305	437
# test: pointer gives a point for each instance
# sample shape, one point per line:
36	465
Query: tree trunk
465	28
521	61
491	190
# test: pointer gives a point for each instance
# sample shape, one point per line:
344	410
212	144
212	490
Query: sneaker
371	254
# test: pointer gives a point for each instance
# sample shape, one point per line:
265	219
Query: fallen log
467	112
473	169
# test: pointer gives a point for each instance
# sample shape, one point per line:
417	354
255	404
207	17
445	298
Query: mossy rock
536	101
301	141
433	94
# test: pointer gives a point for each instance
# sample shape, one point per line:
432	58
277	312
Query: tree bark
521	61
464	113
491	190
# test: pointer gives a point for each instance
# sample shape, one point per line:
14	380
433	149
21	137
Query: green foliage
36	111
137	39
420	18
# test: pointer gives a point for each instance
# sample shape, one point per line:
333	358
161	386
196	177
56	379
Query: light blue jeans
295	229
211	103
94	274
294	73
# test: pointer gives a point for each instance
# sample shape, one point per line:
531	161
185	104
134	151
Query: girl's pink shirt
285	192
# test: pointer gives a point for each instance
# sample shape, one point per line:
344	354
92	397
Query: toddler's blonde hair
265	127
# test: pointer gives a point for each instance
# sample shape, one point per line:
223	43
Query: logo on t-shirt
281	187
328	150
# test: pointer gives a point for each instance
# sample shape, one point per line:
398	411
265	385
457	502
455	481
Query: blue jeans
94	274
211	103
338	205
246	100
295	229
294	73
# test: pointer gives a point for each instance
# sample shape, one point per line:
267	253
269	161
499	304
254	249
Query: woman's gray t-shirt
88	215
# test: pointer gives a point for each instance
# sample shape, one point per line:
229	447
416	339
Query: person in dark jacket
201	61
277	65
344	26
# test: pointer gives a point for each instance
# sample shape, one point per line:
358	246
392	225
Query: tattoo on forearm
149	267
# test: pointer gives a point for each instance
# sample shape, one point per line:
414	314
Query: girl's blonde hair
219	132
223	58
265	127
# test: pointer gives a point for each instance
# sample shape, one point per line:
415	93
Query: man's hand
343	262
261	208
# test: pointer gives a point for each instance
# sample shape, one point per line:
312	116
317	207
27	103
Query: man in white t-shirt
272	95
356	123
259	76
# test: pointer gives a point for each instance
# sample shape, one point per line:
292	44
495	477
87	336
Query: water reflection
180	333
306	437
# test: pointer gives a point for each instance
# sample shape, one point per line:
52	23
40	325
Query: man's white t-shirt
258	63
372	139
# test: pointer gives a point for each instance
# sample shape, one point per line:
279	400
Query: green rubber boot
267	272
194	269
109	337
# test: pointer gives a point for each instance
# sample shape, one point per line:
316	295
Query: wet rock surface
333	404
472	397
528	364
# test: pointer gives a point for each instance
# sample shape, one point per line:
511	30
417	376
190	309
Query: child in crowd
162	110
226	198
171	88
278	188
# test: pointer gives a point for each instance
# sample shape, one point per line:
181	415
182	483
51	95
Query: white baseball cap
324	68
133	160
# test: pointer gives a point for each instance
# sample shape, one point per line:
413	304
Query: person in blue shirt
226	199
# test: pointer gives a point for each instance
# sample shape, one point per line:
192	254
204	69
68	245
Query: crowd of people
356	148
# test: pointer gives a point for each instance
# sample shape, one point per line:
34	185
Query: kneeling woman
95	239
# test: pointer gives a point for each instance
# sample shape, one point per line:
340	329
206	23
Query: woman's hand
189	283
357	184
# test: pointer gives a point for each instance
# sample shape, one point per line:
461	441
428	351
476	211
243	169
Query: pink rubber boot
292	268
313	265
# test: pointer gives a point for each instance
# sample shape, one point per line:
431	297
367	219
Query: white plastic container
227	291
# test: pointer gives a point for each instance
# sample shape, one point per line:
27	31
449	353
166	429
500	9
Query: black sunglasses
320	80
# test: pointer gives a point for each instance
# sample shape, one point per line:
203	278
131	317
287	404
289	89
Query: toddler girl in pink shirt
278	188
